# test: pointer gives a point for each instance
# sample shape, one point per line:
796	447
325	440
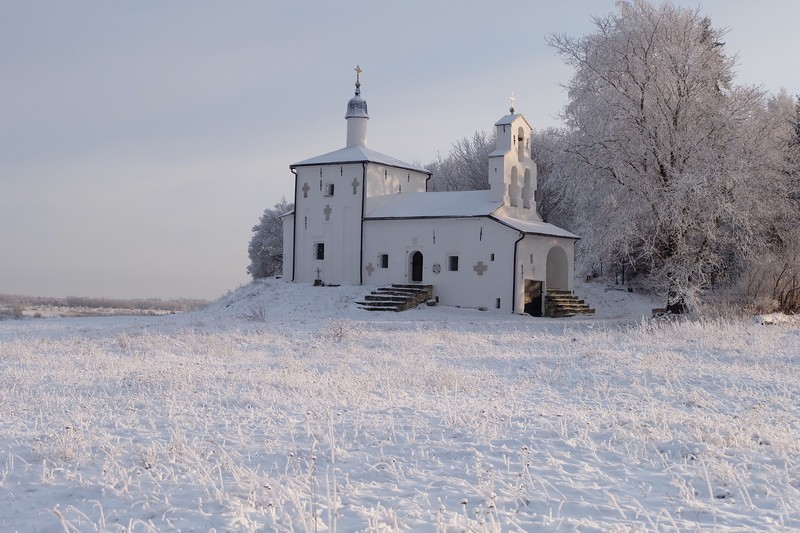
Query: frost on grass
354	424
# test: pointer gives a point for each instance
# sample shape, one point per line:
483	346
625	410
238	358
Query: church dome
357	107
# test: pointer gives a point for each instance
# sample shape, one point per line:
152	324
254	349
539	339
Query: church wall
382	179
331	219
472	240
532	263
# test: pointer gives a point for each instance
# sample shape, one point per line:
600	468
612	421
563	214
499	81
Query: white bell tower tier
512	172
357	116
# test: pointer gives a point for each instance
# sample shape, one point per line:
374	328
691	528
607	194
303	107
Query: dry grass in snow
440	420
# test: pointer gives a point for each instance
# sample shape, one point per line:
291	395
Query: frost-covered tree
672	165
553	194
466	167
795	152
266	245
771	279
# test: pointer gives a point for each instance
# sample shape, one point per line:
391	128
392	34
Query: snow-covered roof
508	119
357	154
536	227
454	204
431	204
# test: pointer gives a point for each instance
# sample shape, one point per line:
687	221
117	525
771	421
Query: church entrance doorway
416	267
533	297
557	269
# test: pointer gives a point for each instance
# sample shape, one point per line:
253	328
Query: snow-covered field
283	407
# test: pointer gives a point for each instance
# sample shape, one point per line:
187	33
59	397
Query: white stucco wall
382	179
341	232
473	240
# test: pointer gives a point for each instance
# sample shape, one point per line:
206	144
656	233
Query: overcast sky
140	141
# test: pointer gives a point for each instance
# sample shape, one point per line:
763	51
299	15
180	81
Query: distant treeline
154	304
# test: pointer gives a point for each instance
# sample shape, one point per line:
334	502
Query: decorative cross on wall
370	269
305	189
327	212
480	268
355	185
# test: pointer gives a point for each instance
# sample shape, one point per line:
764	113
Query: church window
526	190
452	263
497	303
491	258
305	222
383	260
319	251
531	258
521	144
329	189
513	187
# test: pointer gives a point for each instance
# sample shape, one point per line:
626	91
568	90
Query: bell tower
512	172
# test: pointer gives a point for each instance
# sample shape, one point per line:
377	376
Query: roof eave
571	235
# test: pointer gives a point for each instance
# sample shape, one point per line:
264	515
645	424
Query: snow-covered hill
285	407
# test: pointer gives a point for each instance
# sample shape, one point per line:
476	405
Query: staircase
396	297
559	304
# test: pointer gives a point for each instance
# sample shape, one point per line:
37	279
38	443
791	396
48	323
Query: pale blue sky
140	141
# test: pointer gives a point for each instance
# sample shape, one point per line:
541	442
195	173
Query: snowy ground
283	407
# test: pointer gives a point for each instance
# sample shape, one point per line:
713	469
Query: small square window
329	189
452	263
319	251
383	260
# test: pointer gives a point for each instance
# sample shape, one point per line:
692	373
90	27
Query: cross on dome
358	79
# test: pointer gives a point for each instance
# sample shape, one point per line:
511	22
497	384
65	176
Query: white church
365	218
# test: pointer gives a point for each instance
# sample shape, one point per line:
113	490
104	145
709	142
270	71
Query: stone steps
396	297
560	304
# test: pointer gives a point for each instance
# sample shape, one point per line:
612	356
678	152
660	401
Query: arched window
513	188
521	144
527	192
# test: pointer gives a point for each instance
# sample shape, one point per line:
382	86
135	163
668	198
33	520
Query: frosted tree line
670	171
677	174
